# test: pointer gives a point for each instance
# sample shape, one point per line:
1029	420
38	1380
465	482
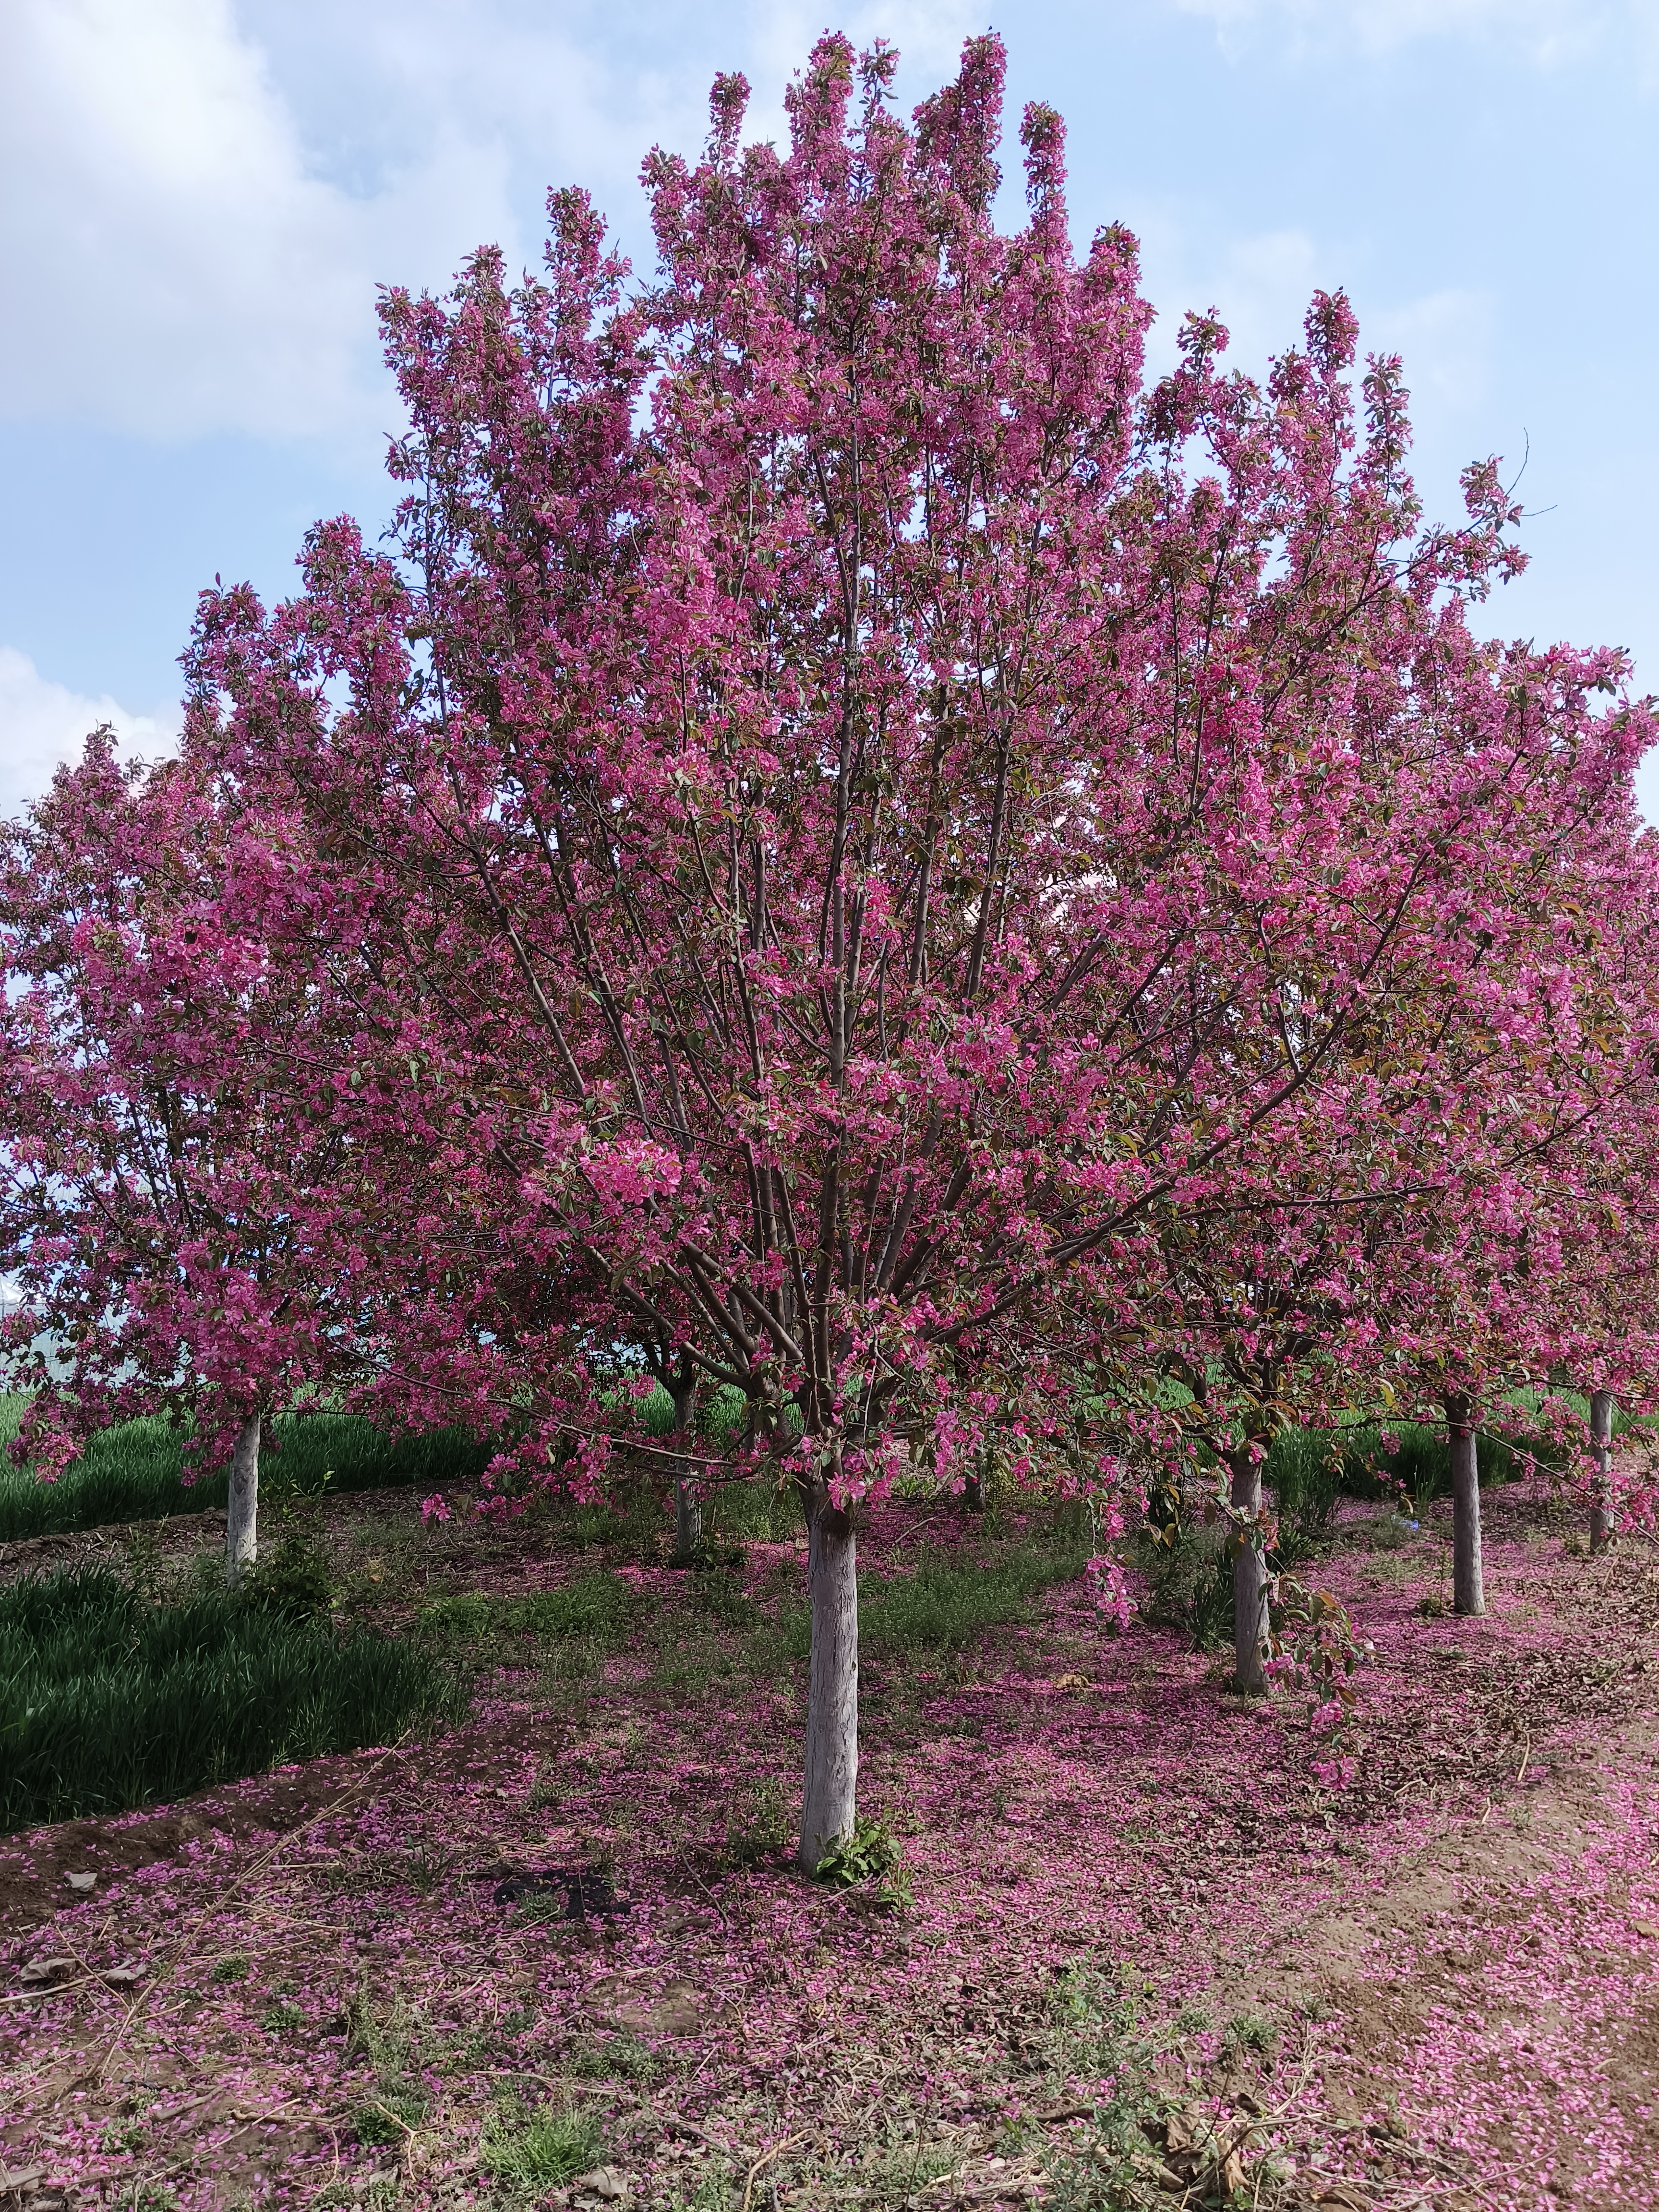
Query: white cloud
1258	286
927	34
1445	340
568	95
197	196
42	724
175	262
1261	287
1546	30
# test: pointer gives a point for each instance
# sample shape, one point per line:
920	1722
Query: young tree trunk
687	1511
1250	1581
1600	1426
242	1508
1468	1591
832	1695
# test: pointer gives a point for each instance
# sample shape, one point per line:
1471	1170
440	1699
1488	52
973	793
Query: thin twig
690	1870
765	2159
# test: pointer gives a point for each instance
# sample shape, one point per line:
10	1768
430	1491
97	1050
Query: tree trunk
242	1507
1250	1581
687	1511
1468	1591
832	1697
1601	1425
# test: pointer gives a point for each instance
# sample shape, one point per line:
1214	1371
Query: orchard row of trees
848	846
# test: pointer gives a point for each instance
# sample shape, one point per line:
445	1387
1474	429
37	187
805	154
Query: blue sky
197	196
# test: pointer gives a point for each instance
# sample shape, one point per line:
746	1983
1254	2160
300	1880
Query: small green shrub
538	1906
617	2058
292	1578
1078	1997
1252	2031
869	1854
1099	2034
383	2033
379	2033
390	2114
1387	1532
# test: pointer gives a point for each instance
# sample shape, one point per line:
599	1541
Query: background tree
188	1240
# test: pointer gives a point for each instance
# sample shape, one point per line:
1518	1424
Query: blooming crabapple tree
849	836
1423	1210
1536	1264
174	1221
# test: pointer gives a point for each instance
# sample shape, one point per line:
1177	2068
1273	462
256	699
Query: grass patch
384	2119
135	1471
755	1510
1190	1578
1305	1470
943	1606
593	1612
108	1700
947	1599
617	2058
540	2149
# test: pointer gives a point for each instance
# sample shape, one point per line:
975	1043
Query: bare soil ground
1150	1957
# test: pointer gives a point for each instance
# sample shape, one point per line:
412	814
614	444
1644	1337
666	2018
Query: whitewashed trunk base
830	1797
242	1507
687	1509
1600	1423
1249	1587
688	1522
1468	1581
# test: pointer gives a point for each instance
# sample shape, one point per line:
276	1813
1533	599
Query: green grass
1303	1469
596	1608
719	1416
1306	1469
109	1701
1421	1462
134	1471
943	1603
753	1509
538	2150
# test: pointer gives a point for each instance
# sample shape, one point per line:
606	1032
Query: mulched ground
1438	1987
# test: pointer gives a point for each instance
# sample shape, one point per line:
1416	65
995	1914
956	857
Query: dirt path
1499	2003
